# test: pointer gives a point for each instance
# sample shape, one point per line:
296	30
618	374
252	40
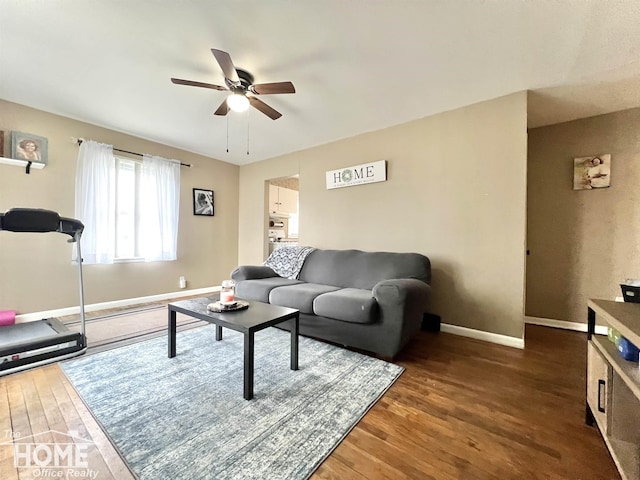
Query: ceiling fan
240	83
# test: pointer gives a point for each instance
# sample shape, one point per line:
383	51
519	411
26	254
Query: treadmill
30	344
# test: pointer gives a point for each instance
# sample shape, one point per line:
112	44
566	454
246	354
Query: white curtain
95	201
160	201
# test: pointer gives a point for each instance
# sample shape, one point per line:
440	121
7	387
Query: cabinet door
288	200
598	387
273	199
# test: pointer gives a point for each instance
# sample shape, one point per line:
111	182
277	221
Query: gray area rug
186	418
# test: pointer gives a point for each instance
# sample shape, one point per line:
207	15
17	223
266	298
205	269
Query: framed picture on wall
26	146
592	172
203	202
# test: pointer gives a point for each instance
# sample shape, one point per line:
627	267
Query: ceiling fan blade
223	109
273	88
191	83
264	108
224	60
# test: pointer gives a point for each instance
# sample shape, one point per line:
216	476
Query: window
127	209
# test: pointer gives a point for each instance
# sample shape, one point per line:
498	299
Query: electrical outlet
183	282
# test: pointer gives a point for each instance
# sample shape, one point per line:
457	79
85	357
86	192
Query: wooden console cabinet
613	384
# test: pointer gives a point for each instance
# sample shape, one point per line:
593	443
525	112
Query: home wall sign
358	175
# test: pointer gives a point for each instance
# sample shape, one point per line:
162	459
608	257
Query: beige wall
583	243
455	191
35	269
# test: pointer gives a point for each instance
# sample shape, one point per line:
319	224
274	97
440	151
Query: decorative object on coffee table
220	307
227	292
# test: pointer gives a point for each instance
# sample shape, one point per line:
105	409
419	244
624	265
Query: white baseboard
549	322
486	336
445	327
577	326
29	317
518	342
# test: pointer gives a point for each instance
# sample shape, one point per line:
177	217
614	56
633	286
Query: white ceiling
357	65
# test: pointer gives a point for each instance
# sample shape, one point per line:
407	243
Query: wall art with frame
592	172
203	202
29	147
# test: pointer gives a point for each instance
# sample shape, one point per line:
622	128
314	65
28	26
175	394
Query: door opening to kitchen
283	212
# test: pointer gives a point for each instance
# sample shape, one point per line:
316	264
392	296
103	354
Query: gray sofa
373	301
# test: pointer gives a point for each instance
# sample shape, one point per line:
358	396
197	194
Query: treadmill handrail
39	220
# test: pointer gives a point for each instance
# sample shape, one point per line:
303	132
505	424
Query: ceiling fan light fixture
239	83
238	102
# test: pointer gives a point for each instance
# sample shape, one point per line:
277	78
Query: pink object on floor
7	317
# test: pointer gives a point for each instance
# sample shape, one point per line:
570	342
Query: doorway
282	212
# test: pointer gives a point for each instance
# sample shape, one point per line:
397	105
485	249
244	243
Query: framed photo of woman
592	172
203	202
26	146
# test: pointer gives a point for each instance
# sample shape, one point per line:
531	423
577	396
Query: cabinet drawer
598	387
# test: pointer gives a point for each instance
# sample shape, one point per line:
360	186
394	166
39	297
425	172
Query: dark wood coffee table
249	321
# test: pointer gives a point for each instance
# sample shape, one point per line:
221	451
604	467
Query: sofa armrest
400	291
251	272
403	303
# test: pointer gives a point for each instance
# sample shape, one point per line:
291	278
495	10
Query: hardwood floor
473	410
42	403
463	409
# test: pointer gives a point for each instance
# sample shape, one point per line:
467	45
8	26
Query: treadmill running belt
26	332
30	332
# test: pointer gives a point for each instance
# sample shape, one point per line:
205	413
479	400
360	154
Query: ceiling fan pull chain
248	117
227	134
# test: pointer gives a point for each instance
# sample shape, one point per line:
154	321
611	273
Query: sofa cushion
353	305
259	289
358	269
252	272
299	296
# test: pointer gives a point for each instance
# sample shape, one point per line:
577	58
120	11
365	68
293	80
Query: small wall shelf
21	163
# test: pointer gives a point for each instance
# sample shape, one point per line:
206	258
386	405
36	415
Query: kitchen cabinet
273	199
282	200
